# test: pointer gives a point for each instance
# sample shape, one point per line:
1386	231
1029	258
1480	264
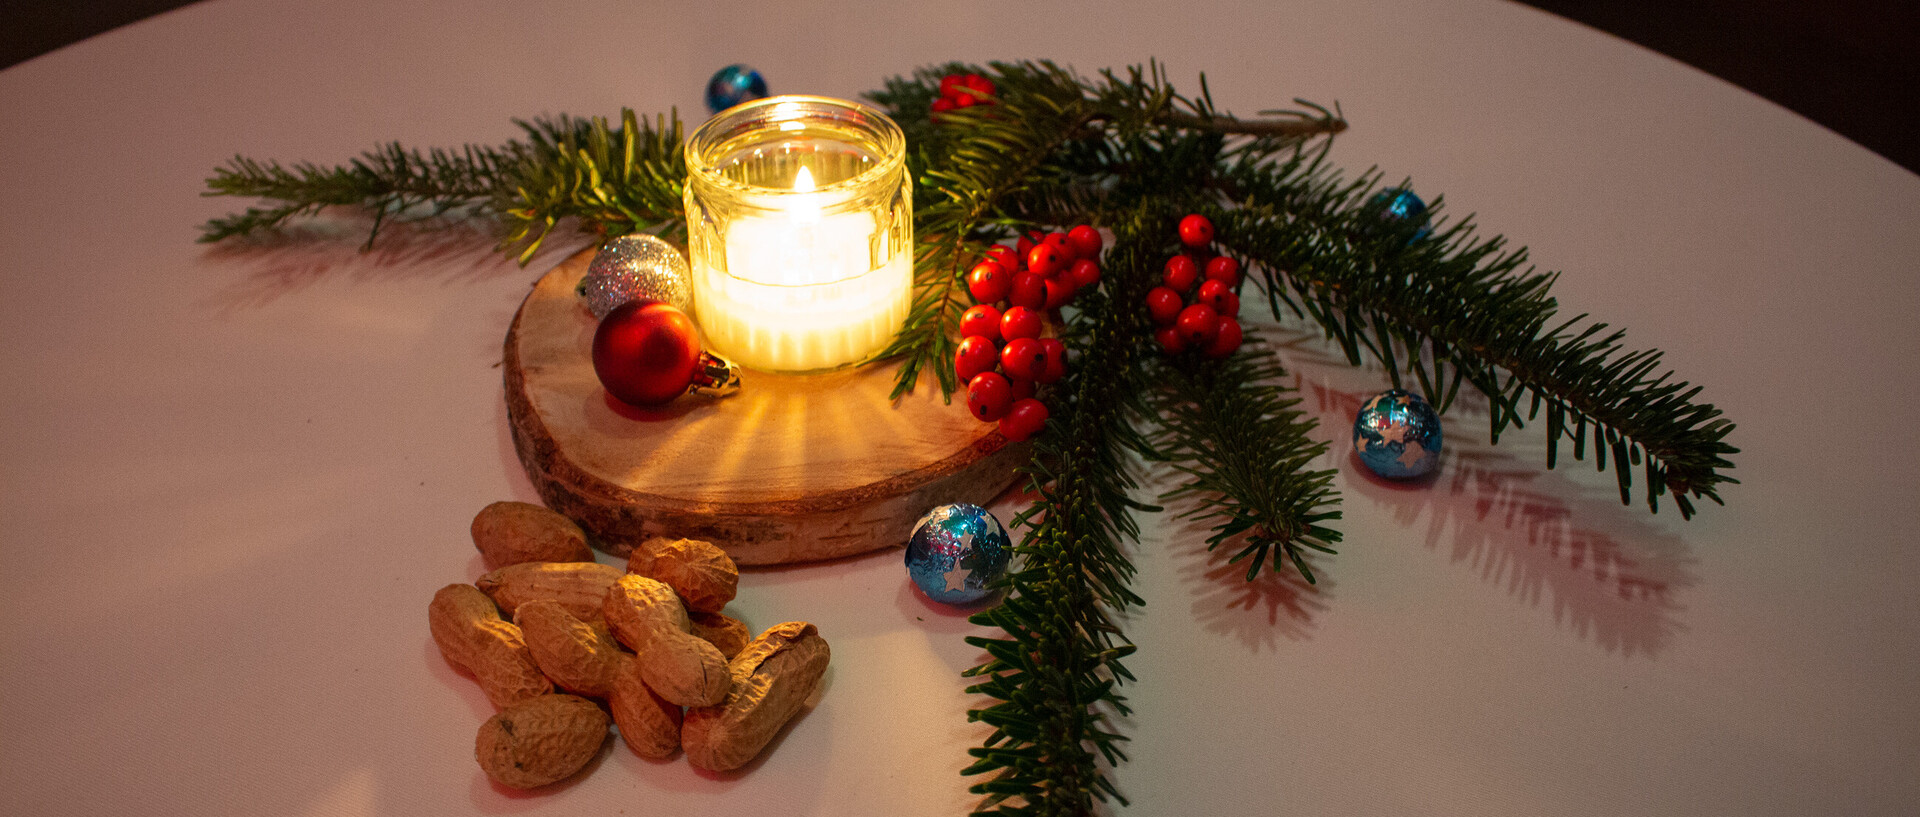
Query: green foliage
1126	152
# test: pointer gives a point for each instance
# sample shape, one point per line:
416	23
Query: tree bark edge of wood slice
755	473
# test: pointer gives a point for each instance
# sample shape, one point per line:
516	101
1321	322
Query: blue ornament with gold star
956	552
733	85
1397	434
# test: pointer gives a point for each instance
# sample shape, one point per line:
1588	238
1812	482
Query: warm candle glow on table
799	232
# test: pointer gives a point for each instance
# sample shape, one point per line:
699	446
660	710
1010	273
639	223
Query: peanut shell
647	616
649	724
581	587
703	575
509	533
728	634
468	629
581	658
540	740
772	679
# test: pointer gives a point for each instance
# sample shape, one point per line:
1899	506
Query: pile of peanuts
561	644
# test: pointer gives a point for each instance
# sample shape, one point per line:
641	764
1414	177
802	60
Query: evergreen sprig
1233	431
1427	299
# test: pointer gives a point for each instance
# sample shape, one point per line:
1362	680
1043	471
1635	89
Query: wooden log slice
791	468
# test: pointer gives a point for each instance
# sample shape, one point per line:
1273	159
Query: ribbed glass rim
749	123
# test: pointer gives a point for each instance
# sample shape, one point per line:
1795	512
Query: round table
234	475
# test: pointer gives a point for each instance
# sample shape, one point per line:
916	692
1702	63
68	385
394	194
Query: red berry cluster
1208	320
963	91
1002	354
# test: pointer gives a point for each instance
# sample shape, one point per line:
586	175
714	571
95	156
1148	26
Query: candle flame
804	181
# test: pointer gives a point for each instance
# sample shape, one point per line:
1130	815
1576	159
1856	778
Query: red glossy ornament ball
1022	322
1223	269
1024	419
1006	255
1085	273
1029	290
989	282
1220	297
1181	273
1197	324
646	353
975	355
1024	359
1170	339
1086	241
1164	305
982	320
1056	365
1196	231
989	395
1226	338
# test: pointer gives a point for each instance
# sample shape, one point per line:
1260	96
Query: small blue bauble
956	551
1398	435
733	85
1402	209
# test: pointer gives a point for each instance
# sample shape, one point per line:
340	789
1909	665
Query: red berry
1025	244
1067	253
981	85
988	396
1164	305
1084	273
1196	231
1006	256
1180	274
1024	359
1022	389
1086	241
942	105
950	84
963	100
1045	259
982	320
989	282
1197	324
975	355
1219	296
1029	290
1056	366
1059	291
646	352
1224	269
1024	419
1226	338
1022	322
1170	339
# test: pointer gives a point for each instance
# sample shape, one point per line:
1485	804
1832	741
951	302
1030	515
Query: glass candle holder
799	232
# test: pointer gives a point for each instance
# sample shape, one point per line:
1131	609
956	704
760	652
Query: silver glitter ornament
636	266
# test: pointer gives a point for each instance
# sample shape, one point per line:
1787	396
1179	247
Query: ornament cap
715	375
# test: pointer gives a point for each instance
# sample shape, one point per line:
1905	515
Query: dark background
1850	65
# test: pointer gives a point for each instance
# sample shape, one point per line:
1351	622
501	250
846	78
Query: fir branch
1232	429
614	181
1450	307
1054	675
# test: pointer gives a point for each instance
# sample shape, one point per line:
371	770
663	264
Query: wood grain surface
791	468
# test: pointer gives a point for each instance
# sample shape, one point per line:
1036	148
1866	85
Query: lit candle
800	232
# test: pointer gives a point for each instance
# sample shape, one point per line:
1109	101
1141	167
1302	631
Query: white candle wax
801	291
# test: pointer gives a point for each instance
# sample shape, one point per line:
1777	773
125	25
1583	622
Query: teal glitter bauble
1401	210
1398	435
733	85
956	552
